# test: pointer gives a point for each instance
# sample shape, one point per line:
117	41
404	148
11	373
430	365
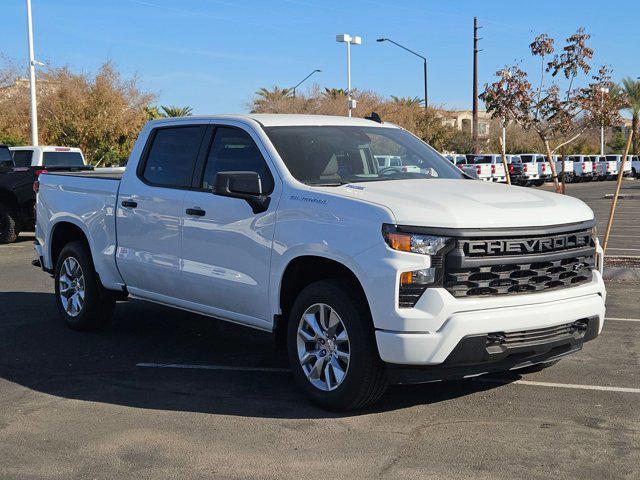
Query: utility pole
474	128
32	79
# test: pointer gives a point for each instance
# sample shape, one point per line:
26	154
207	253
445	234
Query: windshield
5	155
334	155
62	159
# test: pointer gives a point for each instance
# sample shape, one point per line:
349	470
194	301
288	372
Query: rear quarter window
61	159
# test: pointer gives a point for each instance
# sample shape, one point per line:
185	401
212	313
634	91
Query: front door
226	247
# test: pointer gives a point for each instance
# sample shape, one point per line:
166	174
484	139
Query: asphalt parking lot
625	234
106	404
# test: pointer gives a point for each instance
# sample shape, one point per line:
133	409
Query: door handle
129	204
196	212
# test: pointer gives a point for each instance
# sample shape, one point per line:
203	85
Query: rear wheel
81	300
8	225
331	347
538	183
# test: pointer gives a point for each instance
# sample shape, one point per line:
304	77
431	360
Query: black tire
8	225
537	367
98	305
538	183
365	381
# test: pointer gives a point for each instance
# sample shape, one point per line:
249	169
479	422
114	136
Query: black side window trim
202	162
147	148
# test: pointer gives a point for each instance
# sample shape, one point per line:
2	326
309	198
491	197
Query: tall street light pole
603	92
32	79
349	40
304	80
424	61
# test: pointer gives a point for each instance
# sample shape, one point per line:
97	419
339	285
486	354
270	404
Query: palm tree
173	111
407	101
334	93
631	88
276	93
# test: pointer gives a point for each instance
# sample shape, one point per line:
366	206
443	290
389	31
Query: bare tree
559	113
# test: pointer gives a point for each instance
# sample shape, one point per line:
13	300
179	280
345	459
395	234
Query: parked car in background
608	167
367	275
568	171
458	160
635	166
628	168
490	168
394	162
19	182
595	162
516	170
43	156
582	168
536	168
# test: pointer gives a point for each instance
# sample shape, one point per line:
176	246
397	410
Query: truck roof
281	120
46	148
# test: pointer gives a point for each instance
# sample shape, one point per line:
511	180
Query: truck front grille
516	265
519	278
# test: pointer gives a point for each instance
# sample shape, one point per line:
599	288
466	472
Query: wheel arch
300	272
62	233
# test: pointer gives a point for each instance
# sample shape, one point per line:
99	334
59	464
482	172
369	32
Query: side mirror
243	185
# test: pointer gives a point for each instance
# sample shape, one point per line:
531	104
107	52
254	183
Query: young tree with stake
558	113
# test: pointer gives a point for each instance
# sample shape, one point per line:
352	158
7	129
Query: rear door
226	246
150	211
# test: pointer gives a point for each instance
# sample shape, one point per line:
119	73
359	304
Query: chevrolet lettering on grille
527	246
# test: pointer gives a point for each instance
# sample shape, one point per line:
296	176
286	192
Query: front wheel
81	300
331	347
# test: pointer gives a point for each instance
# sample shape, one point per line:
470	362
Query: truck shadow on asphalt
39	353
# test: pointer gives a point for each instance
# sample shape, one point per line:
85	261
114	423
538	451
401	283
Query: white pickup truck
489	168
368	275
43	156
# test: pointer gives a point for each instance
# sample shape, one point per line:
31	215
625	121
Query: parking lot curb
624	274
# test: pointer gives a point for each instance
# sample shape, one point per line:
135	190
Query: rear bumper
496	352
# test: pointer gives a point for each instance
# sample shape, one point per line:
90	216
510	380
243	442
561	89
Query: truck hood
467	203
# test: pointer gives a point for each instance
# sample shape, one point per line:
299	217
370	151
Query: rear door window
22	158
62	159
172	156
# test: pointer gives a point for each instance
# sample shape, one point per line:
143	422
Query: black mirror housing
243	185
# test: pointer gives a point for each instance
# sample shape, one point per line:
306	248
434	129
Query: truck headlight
413	283
413	242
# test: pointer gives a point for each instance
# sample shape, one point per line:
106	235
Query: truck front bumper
498	352
435	348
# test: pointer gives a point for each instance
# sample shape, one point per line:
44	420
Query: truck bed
107	175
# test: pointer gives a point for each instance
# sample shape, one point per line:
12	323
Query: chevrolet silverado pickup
368	275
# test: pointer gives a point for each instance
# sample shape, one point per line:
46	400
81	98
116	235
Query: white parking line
211	367
615	319
561	385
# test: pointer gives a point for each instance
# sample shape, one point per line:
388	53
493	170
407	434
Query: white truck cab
612	172
43	156
489	167
582	167
368	275
536	169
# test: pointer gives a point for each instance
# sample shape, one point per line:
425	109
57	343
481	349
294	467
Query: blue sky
212	54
